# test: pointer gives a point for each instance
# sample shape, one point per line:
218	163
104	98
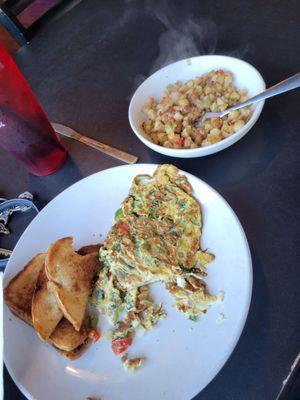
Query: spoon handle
284	86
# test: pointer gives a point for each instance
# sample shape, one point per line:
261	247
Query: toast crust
91	248
18	293
76	353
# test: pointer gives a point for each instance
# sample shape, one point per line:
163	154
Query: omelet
156	237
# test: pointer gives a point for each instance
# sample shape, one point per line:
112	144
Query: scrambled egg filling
156	237
131	364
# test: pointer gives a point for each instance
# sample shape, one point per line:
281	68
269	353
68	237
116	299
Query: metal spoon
284	86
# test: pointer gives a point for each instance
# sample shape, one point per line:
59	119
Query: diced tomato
170	109
180	141
122	227
163	100
120	345
94	335
219	71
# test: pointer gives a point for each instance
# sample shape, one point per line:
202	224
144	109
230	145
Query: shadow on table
10	389
244	363
247	158
47	187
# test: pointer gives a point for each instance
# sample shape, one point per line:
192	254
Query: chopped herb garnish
193	318
182	204
117	247
151	216
122	296
118	214
93	321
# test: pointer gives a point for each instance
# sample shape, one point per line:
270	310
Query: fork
284	86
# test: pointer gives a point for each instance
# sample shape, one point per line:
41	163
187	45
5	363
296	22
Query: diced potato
238	125
147	126
154	138
178	116
158	125
215	132
181	104
233	115
151	114
162	136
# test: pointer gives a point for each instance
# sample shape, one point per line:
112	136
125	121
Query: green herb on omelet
118	214
117	247
93	321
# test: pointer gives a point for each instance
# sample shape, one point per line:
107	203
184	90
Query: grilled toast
66	338
18	293
28	287
44	309
91	248
70	276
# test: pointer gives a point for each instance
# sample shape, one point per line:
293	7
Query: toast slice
66	338
18	296
44	308
18	293
91	248
70	276
76	353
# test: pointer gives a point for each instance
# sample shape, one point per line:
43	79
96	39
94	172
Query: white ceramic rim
207	150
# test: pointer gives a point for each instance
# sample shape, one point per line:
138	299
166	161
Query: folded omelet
156	237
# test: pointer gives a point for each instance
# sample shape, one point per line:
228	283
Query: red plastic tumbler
25	131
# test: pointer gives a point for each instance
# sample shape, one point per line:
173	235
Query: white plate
245	76
182	356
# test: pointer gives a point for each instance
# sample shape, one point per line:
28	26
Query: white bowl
245	76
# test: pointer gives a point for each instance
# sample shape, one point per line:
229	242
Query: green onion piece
118	214
93	321
150	216
117	247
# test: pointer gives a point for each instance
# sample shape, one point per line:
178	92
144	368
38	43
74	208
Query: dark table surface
84	67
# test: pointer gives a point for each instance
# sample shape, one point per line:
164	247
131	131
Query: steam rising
184	37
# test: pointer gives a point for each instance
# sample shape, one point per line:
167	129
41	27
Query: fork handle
290	83
111	151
